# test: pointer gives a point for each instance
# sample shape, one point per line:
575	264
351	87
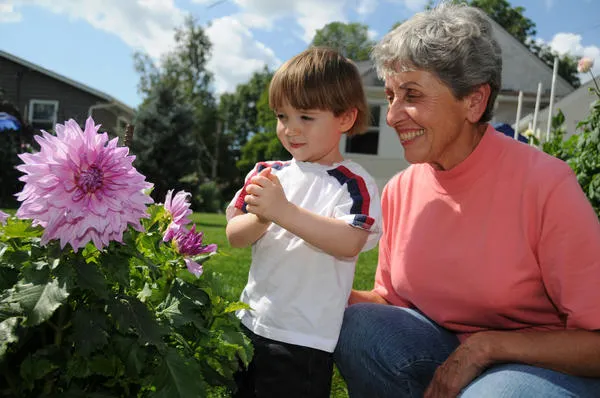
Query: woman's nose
396	113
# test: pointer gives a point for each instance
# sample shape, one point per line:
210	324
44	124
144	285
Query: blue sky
93	41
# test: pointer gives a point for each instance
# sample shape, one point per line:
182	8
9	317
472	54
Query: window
367	143
121	125
42	114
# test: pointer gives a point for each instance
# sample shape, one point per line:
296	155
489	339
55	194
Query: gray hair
454	42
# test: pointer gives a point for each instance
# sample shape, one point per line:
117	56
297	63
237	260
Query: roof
66	80
563	87
579	98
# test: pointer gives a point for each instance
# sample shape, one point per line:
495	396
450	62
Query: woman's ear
477	101
347	119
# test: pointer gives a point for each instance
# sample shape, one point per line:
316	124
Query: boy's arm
333	236
336	237
243	229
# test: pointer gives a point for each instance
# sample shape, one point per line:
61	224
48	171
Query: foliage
350	39
567	65
12	143
239	113
264	145
183	75
163	141
210	197
582	150
513	20
126	321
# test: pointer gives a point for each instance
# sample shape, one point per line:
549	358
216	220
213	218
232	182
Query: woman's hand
467	362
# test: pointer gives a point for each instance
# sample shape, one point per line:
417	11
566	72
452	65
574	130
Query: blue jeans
386	351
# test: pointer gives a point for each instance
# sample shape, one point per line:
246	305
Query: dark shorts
282	370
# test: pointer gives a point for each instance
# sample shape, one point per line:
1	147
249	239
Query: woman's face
433	126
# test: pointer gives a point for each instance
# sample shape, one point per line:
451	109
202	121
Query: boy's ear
347	119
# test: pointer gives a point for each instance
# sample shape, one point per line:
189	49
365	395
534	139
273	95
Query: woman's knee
524	381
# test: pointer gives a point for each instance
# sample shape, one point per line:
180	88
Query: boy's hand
265	196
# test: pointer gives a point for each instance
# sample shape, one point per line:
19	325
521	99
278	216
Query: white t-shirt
298	292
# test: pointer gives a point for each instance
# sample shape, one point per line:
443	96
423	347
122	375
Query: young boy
307	220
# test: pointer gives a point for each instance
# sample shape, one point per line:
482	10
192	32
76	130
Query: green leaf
89	331
90	278
8	334
17	228
131	314
134	357
179	378
34	368
235	307
105	365
8	277
145	293
39	301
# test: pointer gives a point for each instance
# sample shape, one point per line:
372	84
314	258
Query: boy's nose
291	131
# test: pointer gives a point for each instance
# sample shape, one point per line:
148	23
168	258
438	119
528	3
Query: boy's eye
304	117
279	116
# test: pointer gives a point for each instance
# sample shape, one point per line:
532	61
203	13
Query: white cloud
144	24
148	25
8	13
571	43
549	4
366	7
372	33
310	15
236	54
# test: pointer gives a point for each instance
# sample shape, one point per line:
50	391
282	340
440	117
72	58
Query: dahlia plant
102	291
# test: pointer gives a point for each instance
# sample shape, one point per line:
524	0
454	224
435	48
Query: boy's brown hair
321	78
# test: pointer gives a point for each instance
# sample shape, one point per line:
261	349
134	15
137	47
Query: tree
581	151
513	20
350	39
193	153
264	145
239	110
163	141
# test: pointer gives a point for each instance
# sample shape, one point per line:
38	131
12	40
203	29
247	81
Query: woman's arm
365	296
576	352
243	229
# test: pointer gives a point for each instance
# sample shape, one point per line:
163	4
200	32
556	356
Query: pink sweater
505	240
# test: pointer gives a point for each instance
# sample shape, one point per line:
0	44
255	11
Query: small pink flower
81	187
585	64
3	217
189	243
178	208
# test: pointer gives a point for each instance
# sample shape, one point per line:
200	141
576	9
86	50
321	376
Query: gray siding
22	84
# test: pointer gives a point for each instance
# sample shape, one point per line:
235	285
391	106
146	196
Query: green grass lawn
231	266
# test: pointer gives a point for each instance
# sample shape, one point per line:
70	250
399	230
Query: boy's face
311	135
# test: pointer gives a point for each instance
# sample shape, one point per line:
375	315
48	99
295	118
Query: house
379	151
575	107
44	98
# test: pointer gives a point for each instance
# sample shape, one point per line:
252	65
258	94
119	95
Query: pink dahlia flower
189	243
81	187
178	208
3	217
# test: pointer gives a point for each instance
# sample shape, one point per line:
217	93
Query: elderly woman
488	282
